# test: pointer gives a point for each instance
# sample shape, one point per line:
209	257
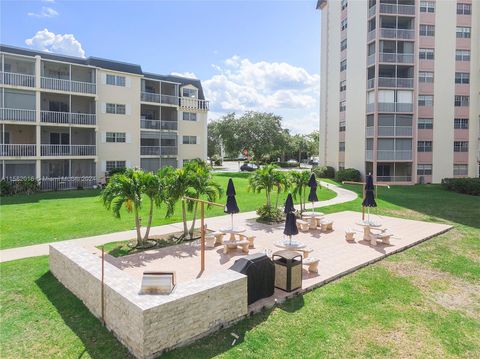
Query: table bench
312	264
304	226
249	237
326	225
229	245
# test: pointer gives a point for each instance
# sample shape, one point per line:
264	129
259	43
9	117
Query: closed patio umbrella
312	196
369	199
231	206
290	226
289	204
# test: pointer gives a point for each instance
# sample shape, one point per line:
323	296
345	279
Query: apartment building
400	88
70	120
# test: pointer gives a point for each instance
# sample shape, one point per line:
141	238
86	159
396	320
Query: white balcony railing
51	83
370	83
369	155
68	150
15	114
371	35
396	58
169	100
150	124
395	82
150	97
370	107
394	178
397	9
389	155
371	59
60	183
369	131
18	150
401	131
395	107
193	103
17	79
158	150
372	11
404	34
68	118
170	125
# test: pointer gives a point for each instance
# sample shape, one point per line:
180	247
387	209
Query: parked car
248	167
292	161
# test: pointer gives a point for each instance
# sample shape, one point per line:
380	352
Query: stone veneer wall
150	324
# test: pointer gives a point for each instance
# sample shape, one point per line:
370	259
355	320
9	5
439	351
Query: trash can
260	274
288	270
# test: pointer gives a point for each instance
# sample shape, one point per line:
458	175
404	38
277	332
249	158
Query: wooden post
103	285
202	236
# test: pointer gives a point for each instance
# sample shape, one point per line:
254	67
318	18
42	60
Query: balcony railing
60	183
68	118
370	83
401	131
68	150
150	97
395	82
150	124
17	79
372	11
369	155
369	131
370	107
389	155
14	114
394	107
404	34
371	59
170	100
158	150
193	103
18	150
397	9
68	86
394	178
170	125
371	35
396	58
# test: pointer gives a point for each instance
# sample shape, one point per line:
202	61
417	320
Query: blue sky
250	55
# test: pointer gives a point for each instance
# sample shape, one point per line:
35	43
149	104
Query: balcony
392	155
395	107
402	34
394	9
158	151
371	35
372	11
68	150
17	150
369	155
369	131
159	98
394	178
395	131
68	118
17	79
396	82
51	83
17	115
157	125
370	107
371	59
170	125
370	83
396	58
191	103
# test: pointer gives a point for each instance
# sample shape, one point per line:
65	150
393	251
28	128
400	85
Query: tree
299	180
282	184
264	179
214	140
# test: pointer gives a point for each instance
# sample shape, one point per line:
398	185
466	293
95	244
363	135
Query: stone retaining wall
150	324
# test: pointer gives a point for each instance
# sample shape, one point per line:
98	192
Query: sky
250	55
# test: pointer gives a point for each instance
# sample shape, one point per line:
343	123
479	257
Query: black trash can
288	270
260	274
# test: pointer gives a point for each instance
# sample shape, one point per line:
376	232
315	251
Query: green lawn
56	216
422	303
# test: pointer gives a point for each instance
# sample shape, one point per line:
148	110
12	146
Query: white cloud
190	75
241	85
65	44
44	12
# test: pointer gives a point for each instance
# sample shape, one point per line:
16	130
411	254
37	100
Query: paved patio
337	256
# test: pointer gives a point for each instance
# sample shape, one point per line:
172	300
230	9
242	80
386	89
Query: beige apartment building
400	88
68	121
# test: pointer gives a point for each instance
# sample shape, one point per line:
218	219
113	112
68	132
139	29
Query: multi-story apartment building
77	118
400	88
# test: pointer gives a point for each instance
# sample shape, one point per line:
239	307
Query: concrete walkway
11	254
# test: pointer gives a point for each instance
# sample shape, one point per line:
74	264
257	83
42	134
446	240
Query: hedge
287	164
324	172
348	174
466	185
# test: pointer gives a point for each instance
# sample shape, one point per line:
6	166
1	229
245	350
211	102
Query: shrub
287	164
114	171
6	187
348	174
269	214
27	185
467	185
324	172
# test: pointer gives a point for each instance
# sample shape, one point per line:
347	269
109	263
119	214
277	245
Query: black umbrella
290	226
312	183
369	199
289	204
231	206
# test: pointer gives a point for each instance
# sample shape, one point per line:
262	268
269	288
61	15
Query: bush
287	164
467	185
6	188
269	214
27	185
114	171
348	174
324	172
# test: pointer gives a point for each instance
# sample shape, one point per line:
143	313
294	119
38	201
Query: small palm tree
125	190
282	184
153	188
299	180
264	179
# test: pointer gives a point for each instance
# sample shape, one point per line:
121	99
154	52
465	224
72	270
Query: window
424	146
460	170
425	77
341	126
341	146
424	170
189	140
110	165
463	32
343	44
344	24
460	123
115	80
425	123
343	65
344	4
427	6
461	100
426	54
460	146
343	106
343	85
464	9
115	136
427	30
462	78
187	92
189	116
462	55
425	100
115	108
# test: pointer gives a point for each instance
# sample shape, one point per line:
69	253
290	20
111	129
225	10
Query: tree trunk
149	224
184	218
193	220
278	195
137	227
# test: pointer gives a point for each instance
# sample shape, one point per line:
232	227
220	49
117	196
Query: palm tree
282	183
264	179
299	181
125	190
153	188
176	184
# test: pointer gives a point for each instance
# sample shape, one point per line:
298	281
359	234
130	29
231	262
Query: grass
56	216
422	303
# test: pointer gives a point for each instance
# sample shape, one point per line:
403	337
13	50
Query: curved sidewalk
343	195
